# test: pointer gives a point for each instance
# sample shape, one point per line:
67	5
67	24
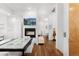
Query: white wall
66	29
62	21
13	26
3	19
60	27
52	24
43	26
10	25
42	20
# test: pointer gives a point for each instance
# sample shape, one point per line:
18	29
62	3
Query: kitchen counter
16	45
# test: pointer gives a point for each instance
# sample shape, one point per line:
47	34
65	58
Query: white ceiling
19	8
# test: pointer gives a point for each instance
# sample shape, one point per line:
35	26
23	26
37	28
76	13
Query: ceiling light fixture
46	19
29	8
14	19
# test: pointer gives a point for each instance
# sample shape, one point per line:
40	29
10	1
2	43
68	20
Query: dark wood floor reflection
48	49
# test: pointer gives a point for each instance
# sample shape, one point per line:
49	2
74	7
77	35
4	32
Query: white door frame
62	43
66	28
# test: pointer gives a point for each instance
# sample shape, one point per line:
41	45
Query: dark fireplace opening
30	32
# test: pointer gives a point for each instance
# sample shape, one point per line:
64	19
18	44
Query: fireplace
30	32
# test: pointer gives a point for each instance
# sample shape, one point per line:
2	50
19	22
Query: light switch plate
64	34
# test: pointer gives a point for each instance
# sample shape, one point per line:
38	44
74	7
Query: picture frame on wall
29	21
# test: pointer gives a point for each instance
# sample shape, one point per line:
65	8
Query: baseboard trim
27	54
60	52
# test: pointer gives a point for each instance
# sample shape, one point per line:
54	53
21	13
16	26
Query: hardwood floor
47	49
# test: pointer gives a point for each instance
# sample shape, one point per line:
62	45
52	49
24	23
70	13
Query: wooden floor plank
48	49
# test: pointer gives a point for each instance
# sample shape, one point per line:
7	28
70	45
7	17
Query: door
74	30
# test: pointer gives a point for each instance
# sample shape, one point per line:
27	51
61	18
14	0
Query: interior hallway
35	20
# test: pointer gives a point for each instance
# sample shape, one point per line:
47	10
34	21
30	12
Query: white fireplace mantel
28	26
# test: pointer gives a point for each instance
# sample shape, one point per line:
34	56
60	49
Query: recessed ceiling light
46	19
29	8
13	19
9	14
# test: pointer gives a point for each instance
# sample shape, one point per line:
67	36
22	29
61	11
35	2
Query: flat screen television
29	21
